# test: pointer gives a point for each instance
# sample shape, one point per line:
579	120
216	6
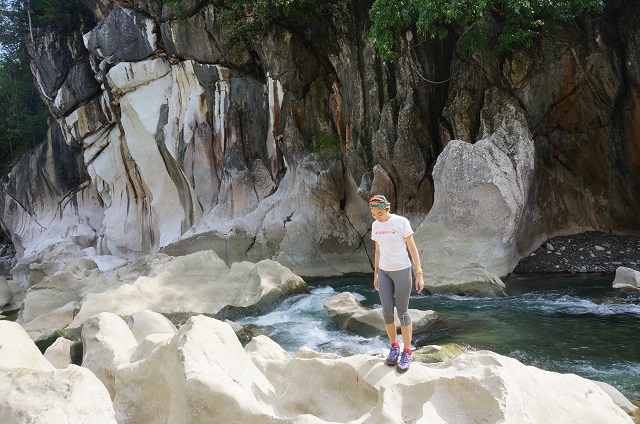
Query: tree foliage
505	24
246	21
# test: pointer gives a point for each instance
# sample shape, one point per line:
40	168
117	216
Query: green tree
506	24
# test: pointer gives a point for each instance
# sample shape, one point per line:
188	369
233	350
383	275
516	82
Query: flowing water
554	322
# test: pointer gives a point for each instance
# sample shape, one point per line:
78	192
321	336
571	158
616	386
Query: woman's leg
402	286
386	290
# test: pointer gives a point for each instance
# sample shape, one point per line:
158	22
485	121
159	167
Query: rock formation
349	314
198	283
627	279
201	373
33	390
162	140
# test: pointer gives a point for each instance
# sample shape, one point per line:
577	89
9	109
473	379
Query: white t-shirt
390	237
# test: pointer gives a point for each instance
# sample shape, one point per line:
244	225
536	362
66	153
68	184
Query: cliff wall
162	140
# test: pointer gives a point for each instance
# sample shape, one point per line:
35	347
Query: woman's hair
379	201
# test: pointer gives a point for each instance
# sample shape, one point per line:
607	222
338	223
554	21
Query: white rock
617	397
33	391
349	314
196	283
107	263
626	278
598	247
60	289
549	246
47	323
473	387
200	375
147	322
6	295
59	353
17	350
329	389
480	192
125	76
107	342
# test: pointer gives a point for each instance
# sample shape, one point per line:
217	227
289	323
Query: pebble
618	250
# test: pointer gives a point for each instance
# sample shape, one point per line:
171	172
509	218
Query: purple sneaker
392	358
405	361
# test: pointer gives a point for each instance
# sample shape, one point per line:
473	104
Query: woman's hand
375	282
419	283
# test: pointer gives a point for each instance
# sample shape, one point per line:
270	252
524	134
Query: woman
392	275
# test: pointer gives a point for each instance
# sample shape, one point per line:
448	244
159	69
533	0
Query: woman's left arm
415	256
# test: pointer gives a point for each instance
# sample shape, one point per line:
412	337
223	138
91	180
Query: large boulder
349	314
32	390
107	342
63	289
155	285
468	241
60	352
145	323
627	279
473	387
199	283
200	375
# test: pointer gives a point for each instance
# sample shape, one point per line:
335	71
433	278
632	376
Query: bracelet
419	271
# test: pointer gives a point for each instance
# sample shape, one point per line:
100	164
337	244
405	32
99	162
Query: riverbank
591	251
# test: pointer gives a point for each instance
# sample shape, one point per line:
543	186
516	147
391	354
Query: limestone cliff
161	140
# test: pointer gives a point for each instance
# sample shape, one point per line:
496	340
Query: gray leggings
394	288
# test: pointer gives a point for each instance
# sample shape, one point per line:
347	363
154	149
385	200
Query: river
555	322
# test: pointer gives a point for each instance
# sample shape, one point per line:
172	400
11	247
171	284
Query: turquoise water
553	322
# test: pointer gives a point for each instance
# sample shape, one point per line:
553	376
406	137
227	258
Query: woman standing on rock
392	275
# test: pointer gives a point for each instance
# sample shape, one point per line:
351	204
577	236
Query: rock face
162	140
481	190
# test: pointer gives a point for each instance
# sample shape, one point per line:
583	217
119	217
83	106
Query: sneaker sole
391	363
402	370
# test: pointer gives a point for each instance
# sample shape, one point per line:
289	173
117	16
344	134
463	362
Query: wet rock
627	279
349	314
435	353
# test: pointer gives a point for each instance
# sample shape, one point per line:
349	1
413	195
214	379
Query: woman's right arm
375	268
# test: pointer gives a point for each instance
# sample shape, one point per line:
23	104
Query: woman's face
380	215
